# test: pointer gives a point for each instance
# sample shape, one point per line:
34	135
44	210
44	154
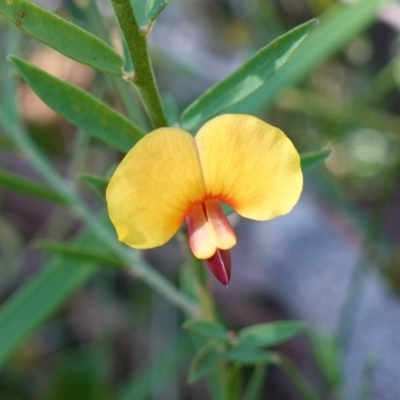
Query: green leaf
154	8
78	252
204	362
80	108
62	35
208	329
28	187
269	334
246	79
96	183
257	380
39	297
234	381
171	110
166	367
312	159
246	356
328	357
11	251
79	374
8	99
322	43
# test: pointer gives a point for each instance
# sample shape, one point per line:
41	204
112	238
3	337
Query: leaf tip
12	59
312	159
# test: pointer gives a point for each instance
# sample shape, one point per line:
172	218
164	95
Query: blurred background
334	262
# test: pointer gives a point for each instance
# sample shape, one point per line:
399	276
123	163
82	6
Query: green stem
129	101
203	290
371	252
144	77
305	390
66	191
217	382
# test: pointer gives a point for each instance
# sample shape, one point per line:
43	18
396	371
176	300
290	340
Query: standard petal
250	165
154	187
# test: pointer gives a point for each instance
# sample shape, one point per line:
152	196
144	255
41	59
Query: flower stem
218	381
144	76
305	390
203	290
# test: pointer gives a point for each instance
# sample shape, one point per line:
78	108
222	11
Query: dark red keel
220	265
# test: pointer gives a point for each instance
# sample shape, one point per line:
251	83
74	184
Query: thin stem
217	382
129	100
203	290
358	278
138	267
144	76
305	390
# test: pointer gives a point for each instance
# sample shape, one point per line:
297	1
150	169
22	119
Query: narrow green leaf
149	7
247	356
328	357
204	362
166	367
246	79
96	183
12	41
11	251
269	334
312	159
80	108
234	381
79	374
62	35
171	110
257	380
28	187
208	329
322	43
154	8
40	297
78	252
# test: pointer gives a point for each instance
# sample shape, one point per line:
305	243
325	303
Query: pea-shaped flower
170	176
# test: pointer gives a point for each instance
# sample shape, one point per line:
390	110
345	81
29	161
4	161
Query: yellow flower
169	176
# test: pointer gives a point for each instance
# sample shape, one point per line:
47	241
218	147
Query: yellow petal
250	165
154	187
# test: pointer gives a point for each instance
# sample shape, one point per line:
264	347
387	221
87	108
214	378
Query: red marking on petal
224	198
220	265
